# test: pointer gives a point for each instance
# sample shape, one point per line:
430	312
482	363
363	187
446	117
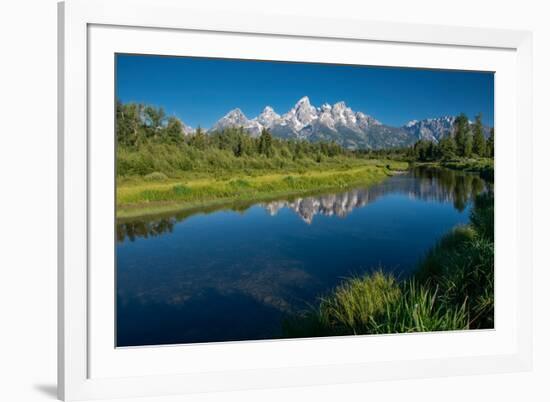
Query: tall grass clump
378	304
358	302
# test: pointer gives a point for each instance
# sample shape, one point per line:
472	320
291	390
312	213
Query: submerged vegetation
453	289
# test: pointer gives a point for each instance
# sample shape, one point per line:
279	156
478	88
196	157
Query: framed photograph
252	201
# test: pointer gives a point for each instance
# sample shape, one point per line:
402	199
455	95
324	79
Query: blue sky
200	91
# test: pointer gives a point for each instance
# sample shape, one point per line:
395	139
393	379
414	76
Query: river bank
485	167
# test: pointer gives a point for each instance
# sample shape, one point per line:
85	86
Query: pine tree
266	143
479	144
199	139
461	134
468	144
490	148
447	148
174	130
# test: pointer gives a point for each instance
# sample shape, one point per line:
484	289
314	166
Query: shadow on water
217	275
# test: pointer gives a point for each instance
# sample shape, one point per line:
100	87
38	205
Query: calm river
235	273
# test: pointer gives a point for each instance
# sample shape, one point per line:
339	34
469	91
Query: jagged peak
302	102
305	120
446	118
268	109
235	112
340	104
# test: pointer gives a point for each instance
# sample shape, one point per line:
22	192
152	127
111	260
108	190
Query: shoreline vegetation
452	289
484	167
138	197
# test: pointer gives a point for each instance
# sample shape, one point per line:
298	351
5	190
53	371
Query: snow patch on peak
268	117
325	107
235	112
339	105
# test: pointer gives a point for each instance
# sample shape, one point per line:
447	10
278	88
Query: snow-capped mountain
335	122
236	118
268	117
435	129
431	129
339	123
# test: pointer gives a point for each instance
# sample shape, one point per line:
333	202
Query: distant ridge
337	122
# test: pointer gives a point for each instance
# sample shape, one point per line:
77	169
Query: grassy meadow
157	193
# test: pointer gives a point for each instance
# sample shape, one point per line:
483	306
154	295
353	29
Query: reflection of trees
427	184
131	230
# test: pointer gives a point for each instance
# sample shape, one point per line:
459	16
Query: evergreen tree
199	139
461	130
266	143
239	148
490	149
174	130
447	148
424	150
468	144
479	143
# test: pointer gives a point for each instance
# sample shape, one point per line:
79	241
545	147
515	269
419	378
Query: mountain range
339	123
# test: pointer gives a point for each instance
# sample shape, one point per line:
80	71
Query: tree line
139	125
149	140
466	141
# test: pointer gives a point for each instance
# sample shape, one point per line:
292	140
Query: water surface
235	273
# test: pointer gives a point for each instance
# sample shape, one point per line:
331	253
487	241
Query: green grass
453	289
156	193
378	304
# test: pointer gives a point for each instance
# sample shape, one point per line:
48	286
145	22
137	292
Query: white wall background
28	198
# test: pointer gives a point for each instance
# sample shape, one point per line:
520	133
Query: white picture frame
90	32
